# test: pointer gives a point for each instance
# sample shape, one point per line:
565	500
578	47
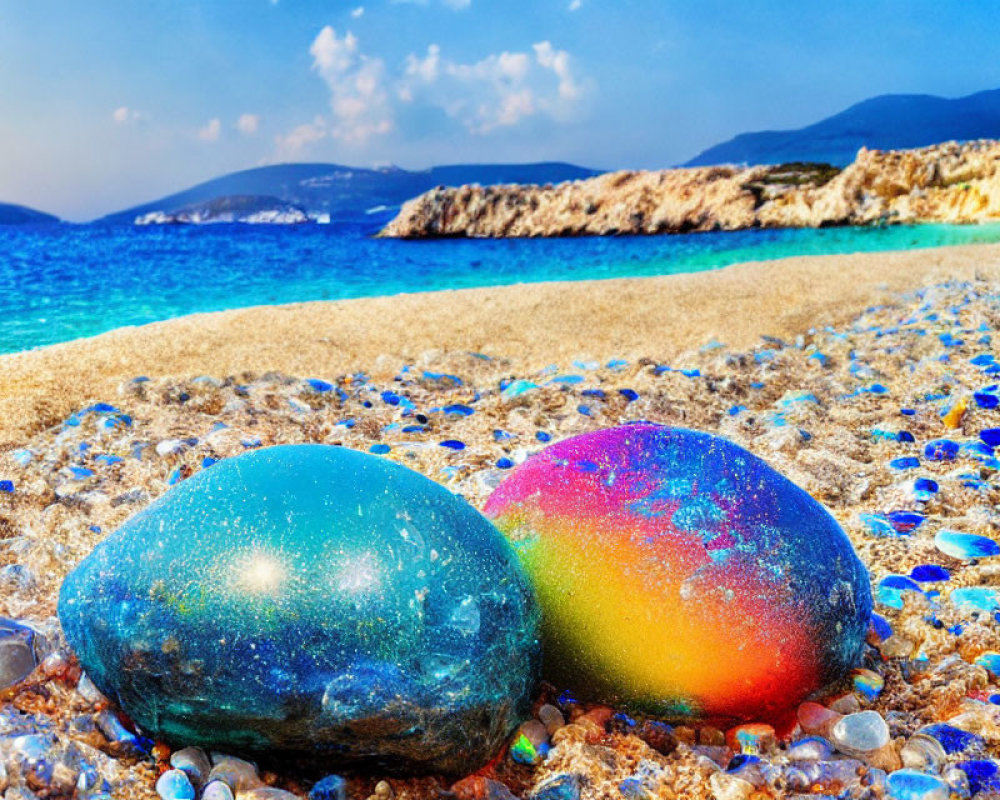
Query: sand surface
886	418
533	324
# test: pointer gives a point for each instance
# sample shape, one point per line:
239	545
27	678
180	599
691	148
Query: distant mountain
347	192
892	121
22	215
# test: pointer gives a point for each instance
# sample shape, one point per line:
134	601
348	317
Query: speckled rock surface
313	600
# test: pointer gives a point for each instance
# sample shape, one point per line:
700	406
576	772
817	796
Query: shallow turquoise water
63	282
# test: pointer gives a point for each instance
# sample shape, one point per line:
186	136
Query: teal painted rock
316	602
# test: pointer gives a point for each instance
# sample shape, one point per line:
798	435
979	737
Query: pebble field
891	422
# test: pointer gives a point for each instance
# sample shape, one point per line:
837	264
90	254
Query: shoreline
659	317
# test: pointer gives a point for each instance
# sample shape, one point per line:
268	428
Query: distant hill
347	192
892	121
22	215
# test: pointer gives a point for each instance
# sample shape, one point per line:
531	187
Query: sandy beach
532	325
870	389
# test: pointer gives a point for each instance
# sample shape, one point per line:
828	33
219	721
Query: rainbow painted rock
681	575
315	603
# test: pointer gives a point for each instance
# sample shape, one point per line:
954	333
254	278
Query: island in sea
949	182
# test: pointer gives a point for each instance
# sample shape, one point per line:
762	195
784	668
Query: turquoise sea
63	282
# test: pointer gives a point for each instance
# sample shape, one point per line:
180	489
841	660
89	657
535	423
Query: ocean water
64	282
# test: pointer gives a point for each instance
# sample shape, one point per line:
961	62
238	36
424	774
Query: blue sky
105	105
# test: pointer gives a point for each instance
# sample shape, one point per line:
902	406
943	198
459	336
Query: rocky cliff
945	183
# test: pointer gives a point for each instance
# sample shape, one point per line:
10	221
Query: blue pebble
905	521
585	410
912	784
890	590
880	625
319	386
81	472
941	450
208	461
986	399
629	394
379	449
175	785
990	436
598	393
982	360
741	761
458	410
504	463
564	786
542	436
567	380
332	787
503	436
983	775
905	436
929	573
736	410
925	485
952	739
976	598
632	789
174	477
877	524
904	463
453	444
7	486
965	545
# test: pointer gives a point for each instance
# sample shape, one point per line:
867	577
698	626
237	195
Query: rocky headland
951	182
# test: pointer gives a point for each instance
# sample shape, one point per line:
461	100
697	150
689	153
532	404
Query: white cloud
292	144
358	12
123	115
575	5
210	133
558	61
248	124
497	91
358	98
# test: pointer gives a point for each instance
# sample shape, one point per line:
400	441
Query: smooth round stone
909	784
174	785
681	575
965	545
312	601
860	733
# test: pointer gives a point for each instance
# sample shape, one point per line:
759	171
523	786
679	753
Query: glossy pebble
976	598
965	545
680	574
312	600
859	733
909	784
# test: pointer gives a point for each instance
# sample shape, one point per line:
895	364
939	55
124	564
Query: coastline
530	325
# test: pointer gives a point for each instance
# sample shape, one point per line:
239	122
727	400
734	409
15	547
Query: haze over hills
888	122
11	214
343	192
